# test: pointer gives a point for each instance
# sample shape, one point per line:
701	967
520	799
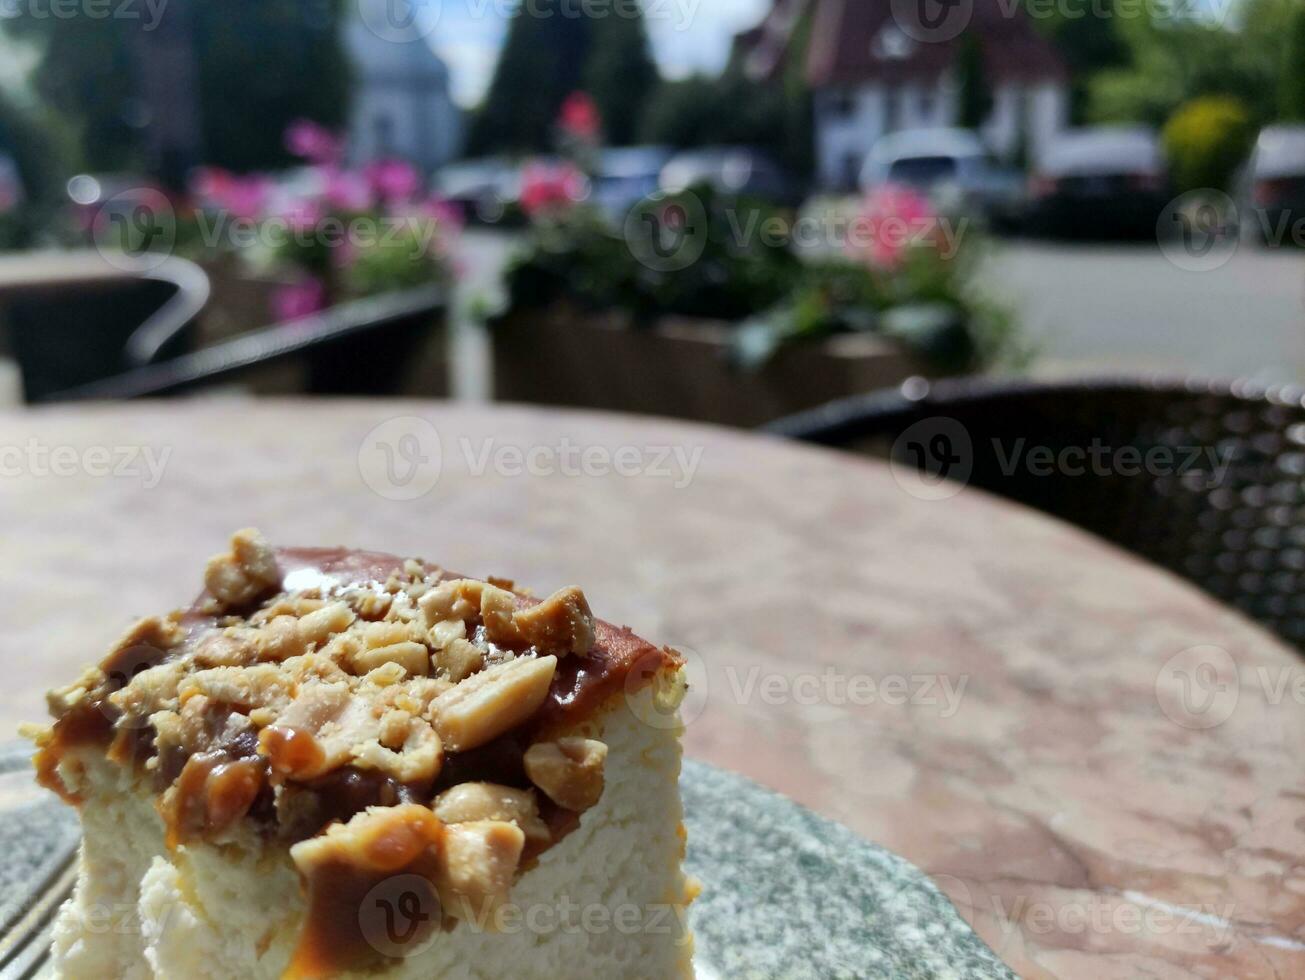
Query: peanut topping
473	802
477	867
412	657
493	702
569	770
561	622
245	573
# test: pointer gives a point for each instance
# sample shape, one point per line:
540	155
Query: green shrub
1206	139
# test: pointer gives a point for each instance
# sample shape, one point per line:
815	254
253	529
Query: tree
1087	39
1291	84
541	64
261	63
620	73
555	48
976	95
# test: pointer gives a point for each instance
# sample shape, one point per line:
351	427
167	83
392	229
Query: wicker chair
1206	480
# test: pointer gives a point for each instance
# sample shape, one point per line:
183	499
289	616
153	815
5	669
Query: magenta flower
313	142
550	187
348	190
893	220
240	197
579	117
298	299
393	180
302	215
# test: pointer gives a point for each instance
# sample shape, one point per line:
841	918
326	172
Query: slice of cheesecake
345	764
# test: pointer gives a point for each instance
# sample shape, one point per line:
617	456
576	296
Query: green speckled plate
786	895
790	896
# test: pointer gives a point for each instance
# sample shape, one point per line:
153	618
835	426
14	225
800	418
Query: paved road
1089	309
1103	308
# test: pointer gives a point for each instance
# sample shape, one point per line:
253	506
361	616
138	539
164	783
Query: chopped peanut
569	770
477	866
245	573
496	700
471	802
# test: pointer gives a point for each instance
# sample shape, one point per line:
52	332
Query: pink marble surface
1097	763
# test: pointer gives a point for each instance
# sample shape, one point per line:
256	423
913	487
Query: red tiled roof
846	44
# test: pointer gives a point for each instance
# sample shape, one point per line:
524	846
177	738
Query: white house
871	75
402	103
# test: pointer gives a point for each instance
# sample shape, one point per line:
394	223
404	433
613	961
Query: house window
842	104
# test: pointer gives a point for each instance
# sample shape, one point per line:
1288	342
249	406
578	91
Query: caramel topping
292	752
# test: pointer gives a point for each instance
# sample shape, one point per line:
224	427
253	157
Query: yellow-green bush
1206	139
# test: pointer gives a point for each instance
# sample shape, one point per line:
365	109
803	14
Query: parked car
953	167
625	176
486	191
733	170
1275	185
1100	182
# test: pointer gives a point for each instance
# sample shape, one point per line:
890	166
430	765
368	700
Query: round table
1097	763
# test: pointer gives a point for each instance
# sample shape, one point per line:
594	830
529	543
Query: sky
687	35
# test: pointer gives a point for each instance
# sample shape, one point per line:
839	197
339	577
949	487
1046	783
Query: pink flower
313	142
298	299
302	215
240	197
550	187
348	190
893	220
579	117
393	180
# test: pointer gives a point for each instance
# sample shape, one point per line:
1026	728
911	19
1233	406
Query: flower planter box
679	368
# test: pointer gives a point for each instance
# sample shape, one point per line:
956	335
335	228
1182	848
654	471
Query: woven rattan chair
1205	479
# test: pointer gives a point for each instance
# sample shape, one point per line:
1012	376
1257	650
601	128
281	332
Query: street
1085	309
1104	308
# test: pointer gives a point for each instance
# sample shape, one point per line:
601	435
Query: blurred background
727	211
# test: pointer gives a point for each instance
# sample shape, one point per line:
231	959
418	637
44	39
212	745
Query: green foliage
1291	85
556	48
1206	140
576	257
924	299
260	63
976	96
263	64
1087	38
731	110
1174	60
621	75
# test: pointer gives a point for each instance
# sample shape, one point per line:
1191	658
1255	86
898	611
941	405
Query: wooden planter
679	368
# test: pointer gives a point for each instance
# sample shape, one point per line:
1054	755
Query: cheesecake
348	764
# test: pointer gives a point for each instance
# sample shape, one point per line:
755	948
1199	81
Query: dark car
1276	186
486	191
732	170
1100	183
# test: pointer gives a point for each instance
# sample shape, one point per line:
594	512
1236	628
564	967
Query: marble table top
1097	763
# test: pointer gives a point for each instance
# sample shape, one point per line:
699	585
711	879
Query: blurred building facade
870	75
402	100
